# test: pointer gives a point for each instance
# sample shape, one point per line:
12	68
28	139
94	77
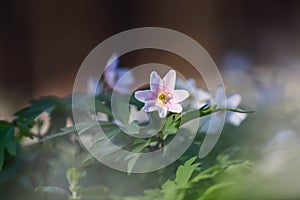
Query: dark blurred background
42	43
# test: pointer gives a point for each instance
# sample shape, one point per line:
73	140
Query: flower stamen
164	98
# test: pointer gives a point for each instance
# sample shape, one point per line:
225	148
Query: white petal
192	83
162	111
122	89
143	95
135	114
155	81
110	77
233	101
102	117
92	86
176	108
149	107
112	62
181	95
220	97
216	122
181	84
124	79
170	79
128	78
236	118
204	123
202	95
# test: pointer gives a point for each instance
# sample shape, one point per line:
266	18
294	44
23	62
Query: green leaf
102	107
215	191
73	176
52	190
185	172
237	110
171	125
204	175
137	103
198	113
141	144
7	140
1	154
64	131
45	104
207	110
169	190
121	109
80	128
93	192
176	189
154	194
224	157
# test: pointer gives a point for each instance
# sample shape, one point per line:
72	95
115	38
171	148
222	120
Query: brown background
42	43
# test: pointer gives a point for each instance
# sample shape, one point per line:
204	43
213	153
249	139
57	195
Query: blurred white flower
93	86
113	74
233	101
198	97
284	138
281	150
100	117
137	115
233	118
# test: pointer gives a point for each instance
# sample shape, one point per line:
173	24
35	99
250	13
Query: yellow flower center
164	98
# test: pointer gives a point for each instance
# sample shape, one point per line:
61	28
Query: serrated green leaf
36	107
10	141
176	189
7	140
203	176
153	194
215	191
73	176
184	172
169	190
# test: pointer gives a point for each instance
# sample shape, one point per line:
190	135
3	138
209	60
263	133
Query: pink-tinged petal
150	106
155	81
180	95
176	108
162	111
144	95
170	79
